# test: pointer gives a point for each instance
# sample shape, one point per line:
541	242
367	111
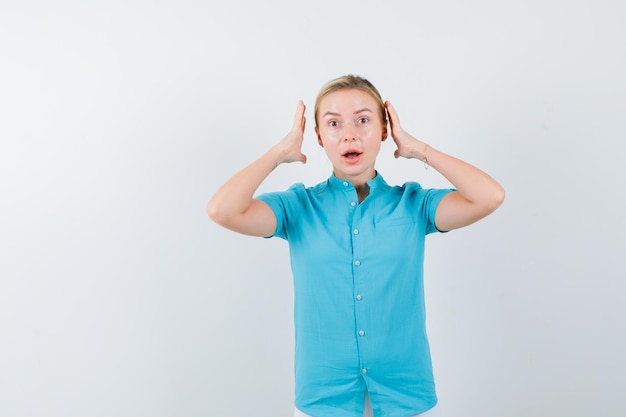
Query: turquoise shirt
358	295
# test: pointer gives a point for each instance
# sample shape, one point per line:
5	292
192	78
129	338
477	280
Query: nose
349	135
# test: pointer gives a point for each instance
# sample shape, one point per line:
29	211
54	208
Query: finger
393	116
390	115
298	120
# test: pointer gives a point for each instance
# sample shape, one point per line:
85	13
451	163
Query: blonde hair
355	82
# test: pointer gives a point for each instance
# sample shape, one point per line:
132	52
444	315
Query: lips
351	156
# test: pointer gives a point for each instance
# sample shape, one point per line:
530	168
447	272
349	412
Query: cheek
373	133
331	137
330	146
332	134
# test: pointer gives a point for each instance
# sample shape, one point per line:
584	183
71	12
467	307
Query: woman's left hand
408	146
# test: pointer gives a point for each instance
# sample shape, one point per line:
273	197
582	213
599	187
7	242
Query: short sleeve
284	205
428	200
431	202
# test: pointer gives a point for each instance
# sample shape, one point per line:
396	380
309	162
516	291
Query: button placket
356	246
357	251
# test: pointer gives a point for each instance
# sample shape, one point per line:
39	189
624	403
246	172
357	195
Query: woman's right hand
233	205
289	149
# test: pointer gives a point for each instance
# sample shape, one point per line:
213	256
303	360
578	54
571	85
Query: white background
118	121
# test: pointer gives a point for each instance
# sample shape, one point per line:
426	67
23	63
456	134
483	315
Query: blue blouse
358	295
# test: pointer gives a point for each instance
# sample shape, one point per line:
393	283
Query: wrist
419	150
425	155
274	156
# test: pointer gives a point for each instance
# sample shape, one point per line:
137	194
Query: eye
363	120
333	123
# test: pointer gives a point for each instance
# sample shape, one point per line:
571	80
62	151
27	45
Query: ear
319	138
384	132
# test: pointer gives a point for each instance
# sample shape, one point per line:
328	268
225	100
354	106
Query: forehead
348	99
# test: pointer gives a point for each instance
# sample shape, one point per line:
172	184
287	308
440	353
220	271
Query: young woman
357	252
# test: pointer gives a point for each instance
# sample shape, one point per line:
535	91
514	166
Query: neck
359	182
362	191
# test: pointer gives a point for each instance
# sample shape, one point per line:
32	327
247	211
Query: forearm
233	207
474	185
476	195
235	196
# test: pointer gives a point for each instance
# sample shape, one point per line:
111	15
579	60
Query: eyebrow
330	113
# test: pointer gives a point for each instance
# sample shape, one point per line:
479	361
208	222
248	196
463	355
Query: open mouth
352	156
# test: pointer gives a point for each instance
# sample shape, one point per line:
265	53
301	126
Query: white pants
367	412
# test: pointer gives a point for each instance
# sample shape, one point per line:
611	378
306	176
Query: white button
345	183
361	333
355	231
363	371
357	263
359	297
353	203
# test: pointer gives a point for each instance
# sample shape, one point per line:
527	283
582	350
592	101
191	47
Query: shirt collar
377	182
